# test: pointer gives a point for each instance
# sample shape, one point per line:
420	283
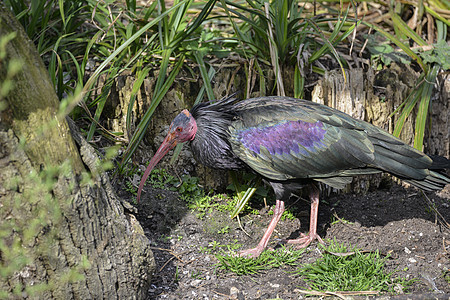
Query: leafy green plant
202	205
173	29
438	54
160	179
446	275
431	66
224	229
335	220
281	31
190	187
129	187
383	53
215	245
197	274
287	214
345	268
54	28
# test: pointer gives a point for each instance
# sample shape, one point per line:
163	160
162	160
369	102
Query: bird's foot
305	240
252	253
255	252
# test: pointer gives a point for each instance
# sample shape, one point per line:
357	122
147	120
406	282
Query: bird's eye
179	129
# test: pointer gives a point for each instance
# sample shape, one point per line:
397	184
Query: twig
273	54
432	206
173	256
340	294
192	260
344	254
365	43
240	226
344	222
169	260
224	295
171	252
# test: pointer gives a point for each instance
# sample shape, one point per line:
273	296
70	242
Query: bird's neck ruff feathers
224	107
211	144
214	119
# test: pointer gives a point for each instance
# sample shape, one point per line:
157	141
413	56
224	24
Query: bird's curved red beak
169	143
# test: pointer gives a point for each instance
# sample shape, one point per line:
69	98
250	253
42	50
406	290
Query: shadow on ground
396	220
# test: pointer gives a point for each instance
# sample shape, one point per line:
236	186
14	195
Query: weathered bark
75	240
33	103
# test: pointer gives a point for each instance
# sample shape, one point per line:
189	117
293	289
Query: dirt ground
393	220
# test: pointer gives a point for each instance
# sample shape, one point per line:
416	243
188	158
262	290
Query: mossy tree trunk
59	238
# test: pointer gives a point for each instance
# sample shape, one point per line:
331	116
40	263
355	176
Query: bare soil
394	220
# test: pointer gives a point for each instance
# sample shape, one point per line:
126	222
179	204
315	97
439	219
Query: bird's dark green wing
284	138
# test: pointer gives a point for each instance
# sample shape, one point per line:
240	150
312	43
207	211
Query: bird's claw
249	253
305	240
253	252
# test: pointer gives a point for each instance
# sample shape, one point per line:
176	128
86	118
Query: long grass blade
80	71
141	75
199	98
404	28
262	80
437	16
299	83
274	57
243	200
328	46
206	80
101	103
409	106
113	55
422	114
181	35
400	44
145	122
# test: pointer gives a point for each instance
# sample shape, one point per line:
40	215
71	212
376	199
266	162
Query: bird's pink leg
305	240
255	252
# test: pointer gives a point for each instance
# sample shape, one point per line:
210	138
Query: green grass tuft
267	260
351	271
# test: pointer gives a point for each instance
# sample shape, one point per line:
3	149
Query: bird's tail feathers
439	162
409	164
434	181
395	157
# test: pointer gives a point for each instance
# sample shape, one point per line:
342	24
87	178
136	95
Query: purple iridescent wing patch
284	137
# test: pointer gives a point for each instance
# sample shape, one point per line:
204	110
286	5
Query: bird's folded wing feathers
297	142
284	138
